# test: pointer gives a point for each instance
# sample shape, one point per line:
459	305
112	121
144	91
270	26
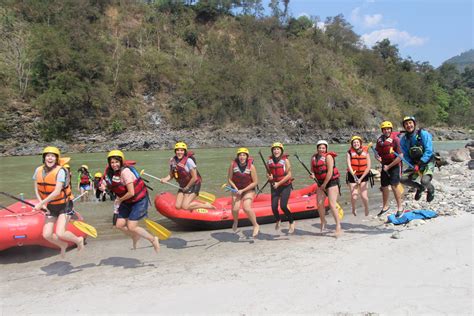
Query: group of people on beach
414	148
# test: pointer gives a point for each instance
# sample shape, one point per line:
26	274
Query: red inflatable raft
21	225
302	204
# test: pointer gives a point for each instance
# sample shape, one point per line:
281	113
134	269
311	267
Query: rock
470	144
415	222
470	164
395	235
460	155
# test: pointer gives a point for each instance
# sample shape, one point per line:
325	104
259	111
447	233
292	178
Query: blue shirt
409	140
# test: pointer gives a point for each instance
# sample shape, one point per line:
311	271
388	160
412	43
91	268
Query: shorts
134	211
85	187
64	208
428	169
350	178
391	177
331	183
195	188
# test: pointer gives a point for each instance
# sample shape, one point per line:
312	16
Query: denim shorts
134	211
86	187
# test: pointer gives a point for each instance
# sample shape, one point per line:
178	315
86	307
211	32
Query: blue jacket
408	141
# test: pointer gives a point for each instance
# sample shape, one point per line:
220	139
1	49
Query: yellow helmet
180	145
116	153
356	137
243	150
67	166
386	124
98	175
51	150
277	144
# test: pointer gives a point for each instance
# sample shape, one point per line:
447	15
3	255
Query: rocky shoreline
163	137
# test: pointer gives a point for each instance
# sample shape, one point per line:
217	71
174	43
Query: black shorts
57	209
331	183
195	188
391	177
350	178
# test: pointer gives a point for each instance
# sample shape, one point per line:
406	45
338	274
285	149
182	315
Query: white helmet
322	142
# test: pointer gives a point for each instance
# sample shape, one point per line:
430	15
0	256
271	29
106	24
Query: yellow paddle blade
85	228
370	145
400	188
340	211
206	197
157	230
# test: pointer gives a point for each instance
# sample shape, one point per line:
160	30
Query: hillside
463	60
101	68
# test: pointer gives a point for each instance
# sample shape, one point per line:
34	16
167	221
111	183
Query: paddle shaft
156	178
304	166
6	208
18	199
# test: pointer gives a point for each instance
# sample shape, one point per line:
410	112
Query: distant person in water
184	170
84	182
53	191
242	176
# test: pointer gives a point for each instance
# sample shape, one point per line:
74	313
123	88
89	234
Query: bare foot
63	252
156	244
323	225
277	225
366	212
355	212
235	226
135	240
291	230
256	229
338	231
80	245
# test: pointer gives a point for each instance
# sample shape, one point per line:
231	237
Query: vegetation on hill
104	66
463	60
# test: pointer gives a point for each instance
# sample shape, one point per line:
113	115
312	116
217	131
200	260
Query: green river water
212	163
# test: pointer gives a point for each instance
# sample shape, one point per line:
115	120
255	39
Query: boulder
470	164
460	155
470	144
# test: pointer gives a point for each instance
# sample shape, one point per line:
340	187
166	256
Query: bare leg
64	234
354	196
247	204
134	228
321	196
52	238
333	193
364	197
398	197
235	211
122	225
385	194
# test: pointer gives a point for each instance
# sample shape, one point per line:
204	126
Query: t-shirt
127	176
190	164
61	176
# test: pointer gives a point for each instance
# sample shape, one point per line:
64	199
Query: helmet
322	142
98	175
180	145
356	137
409	118
243	150
51	150
116	153
386	124
277	144
67	166
85	167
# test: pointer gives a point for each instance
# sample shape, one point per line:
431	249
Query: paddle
83	227
376	154
156	229
340	210
6	208
264	163
227	187
203	196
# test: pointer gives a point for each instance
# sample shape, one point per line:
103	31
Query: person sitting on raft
280	177
242	176
53	191
324	170
132	198
184	170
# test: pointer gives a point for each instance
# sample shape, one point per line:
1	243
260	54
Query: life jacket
416	150
85	179
320	169
178	169
47	183
242	178
384	147
115	185
359	161
97	182
278	169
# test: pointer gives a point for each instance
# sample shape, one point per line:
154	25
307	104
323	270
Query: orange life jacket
359	161
47	183
242	179
320	169
278	169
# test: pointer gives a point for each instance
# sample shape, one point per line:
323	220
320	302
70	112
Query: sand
429	270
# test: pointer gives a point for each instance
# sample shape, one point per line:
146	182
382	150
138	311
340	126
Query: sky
425	30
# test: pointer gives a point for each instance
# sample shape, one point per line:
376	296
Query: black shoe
418	193
382	212
399	214
430	196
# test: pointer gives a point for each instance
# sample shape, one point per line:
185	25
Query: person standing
324	170
132	199
84	182
53	191
358	172
242	176
417	148
280	178
387	145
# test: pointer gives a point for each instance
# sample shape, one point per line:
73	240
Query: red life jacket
179	171
116	186
384	147
242	179
278	169
85	179
320	169
359	161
